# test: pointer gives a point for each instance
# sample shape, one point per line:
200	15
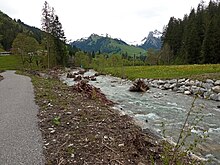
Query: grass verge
11	62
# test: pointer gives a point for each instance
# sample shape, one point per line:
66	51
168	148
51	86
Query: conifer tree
195	39
53	28
46	26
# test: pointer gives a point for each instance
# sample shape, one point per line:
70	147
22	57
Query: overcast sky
130	20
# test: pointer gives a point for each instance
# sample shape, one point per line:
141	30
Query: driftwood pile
91	91
139	86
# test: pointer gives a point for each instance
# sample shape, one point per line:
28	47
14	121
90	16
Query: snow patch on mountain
152	36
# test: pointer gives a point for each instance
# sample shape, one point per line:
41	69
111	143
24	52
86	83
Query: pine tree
53	28
192	44
172	35
46	26
211	43
46	18
57	30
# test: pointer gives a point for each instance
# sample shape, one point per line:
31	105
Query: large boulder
209	81
217	82
187	92
207	85
215	97
70	75
216	89
167	86
139	86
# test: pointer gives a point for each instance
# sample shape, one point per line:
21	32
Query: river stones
208	89
216	89
215	97
187	92
217	82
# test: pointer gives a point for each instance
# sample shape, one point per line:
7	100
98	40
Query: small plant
177	154
70	150
94	94
56	121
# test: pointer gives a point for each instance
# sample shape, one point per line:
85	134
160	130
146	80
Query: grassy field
199	72
11	62
167	72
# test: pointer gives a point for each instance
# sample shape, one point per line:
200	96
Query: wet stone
216	89
217	82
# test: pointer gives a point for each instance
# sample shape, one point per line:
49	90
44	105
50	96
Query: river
155	106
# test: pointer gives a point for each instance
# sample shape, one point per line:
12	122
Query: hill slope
96	43
9	29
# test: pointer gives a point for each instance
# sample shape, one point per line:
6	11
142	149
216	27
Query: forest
195	38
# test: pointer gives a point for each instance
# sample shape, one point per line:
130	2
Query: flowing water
152	108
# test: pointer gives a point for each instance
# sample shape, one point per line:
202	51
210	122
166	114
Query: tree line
195	38
100	61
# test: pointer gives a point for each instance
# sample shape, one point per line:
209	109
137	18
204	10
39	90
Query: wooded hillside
195	38
10	28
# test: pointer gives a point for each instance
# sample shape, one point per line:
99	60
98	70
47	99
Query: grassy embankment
199	72
11	62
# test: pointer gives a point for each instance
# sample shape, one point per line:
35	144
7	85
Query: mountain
9	29
152	41
106	44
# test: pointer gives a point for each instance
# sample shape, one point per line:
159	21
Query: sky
129	20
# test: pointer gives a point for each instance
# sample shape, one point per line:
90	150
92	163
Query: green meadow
11	62
167	72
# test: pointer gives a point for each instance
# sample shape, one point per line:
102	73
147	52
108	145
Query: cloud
127	19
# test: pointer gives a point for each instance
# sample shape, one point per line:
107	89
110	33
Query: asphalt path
20	137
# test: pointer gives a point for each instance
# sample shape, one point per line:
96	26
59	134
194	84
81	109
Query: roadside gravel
20	137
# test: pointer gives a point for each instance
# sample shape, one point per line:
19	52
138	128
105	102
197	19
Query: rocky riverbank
156	106
208	89
80	129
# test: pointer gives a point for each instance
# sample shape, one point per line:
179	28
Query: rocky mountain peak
153	40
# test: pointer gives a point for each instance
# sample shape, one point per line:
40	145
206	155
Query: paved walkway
20	138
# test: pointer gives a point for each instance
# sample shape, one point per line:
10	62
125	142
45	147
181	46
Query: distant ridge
106	44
